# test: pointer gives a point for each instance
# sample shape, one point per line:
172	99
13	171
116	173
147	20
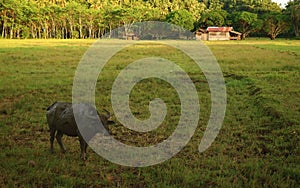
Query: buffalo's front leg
83	147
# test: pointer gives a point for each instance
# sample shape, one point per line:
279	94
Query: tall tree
247	22
275	23
214	15
254	6
182	18
94	18
266	6
293	10
213	18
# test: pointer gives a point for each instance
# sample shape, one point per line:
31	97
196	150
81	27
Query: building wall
202	36
213	36
218	36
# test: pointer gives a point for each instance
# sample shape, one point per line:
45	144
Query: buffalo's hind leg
59	136
52	134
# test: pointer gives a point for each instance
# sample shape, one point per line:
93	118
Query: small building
218	33
130	36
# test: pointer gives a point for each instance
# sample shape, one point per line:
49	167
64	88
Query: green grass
258	145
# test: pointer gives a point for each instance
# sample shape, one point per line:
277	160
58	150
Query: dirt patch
234	76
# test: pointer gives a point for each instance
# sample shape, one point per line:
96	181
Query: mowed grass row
258	145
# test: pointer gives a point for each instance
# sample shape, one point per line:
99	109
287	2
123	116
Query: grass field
258	145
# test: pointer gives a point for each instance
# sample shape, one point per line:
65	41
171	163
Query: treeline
63	19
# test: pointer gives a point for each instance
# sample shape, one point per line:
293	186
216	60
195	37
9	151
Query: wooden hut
218	33
130	36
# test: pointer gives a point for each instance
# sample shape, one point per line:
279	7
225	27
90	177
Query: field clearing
258	145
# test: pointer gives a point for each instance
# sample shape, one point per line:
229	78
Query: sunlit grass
258	145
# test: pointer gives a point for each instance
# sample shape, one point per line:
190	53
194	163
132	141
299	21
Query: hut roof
235	32
219	29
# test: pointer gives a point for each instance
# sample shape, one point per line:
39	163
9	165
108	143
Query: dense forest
64	19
